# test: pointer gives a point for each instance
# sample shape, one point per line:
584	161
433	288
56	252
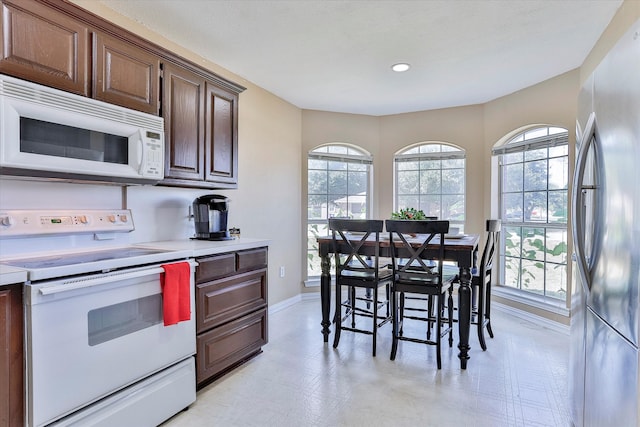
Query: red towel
176	295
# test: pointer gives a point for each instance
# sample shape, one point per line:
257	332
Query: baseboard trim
538	320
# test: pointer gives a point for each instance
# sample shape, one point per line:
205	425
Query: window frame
453	153
520	144
353	155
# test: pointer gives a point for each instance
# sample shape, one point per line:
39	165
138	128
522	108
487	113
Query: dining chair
356	270
418	270
481	282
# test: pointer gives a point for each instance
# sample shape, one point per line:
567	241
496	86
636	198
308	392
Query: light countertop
205	247
10	275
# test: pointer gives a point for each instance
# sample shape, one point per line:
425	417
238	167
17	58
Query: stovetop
80	258
51	244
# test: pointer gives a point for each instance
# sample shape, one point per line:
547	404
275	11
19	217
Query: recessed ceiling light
400	67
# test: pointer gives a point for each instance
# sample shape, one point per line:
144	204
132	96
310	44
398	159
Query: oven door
88	337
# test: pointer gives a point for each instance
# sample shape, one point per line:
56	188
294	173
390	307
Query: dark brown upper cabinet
124	74
201	137
44	46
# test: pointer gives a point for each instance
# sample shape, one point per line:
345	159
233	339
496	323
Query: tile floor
521	380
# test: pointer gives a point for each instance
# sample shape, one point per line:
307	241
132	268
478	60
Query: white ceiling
335	55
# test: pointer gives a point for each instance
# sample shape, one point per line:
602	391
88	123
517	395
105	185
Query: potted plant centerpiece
409	214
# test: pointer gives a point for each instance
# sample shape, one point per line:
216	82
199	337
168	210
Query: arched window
533	182
339	179
431	177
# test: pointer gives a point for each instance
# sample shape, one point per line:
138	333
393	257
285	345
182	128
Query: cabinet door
221	137
125	74
11	357
183	112
44	46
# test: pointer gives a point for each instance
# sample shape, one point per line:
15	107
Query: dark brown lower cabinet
11	357
231	311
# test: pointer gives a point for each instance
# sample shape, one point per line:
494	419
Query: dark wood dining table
461	250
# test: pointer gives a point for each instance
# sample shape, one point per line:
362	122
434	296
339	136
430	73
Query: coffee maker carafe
210	215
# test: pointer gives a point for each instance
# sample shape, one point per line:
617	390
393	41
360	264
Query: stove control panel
37	222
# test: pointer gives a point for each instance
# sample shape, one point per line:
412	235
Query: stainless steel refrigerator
605	319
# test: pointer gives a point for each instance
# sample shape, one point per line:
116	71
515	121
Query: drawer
223	300
227	345
252	259
215	266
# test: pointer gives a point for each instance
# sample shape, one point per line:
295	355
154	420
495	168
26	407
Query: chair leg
401	321
429	316
375	318
352	292
450	314
338	316
394	325
487	307
480	317
439	302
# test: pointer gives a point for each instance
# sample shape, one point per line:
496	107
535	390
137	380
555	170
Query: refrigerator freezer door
611	377
615	276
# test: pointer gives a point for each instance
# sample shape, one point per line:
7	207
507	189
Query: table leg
464	315
325	295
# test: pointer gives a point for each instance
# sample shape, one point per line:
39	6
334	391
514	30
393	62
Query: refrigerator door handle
578	200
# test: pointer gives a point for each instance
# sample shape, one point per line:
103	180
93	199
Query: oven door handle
70	285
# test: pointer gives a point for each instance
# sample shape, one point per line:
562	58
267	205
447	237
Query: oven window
114	321
51	139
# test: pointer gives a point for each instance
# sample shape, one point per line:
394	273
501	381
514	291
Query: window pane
453	181
561	150
430	182
533	243
556	284
512	241
453	164
512	272
317	207
535	175
556	245
453	208
337	182
512	177
512	206
431	164
408	182
317	182
403	166
535	133
558	206
430	205
357	182
408	202
535	206
532	276
317	164
535	154
513	158
558	173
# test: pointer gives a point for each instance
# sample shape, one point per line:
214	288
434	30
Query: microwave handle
142	154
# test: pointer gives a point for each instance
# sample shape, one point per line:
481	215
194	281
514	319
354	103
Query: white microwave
49	133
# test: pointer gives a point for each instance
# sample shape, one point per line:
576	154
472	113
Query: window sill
537	301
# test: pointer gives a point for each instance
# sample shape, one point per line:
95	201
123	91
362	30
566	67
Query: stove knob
124	218
82	219
111	218
6	221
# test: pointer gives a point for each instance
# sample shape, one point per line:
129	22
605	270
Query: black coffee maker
210	215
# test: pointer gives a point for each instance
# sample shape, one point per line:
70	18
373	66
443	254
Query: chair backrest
347	246
493	234
408	259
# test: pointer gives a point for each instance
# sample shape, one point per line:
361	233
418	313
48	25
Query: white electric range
97	351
